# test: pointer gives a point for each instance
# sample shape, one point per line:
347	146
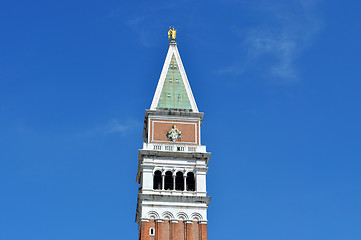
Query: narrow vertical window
168	185
151	232
191	185
179	181
157	181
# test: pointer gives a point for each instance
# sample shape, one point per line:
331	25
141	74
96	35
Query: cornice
166	154
173	112
174	198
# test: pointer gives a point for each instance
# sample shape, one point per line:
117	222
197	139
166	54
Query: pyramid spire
173	89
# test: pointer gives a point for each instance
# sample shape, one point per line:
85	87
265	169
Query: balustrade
174	148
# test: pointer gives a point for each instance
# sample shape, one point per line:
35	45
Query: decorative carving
196	216
182	216
167	215
153	215
176	216
174	134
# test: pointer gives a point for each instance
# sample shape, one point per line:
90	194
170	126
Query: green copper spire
173	89
174	94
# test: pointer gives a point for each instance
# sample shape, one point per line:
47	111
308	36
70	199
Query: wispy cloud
282	47
233	70
277	41
115	126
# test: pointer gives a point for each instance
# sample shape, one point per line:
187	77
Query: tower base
172	230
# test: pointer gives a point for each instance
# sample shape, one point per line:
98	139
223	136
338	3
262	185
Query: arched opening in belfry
157	180
168	181
191	184
179	181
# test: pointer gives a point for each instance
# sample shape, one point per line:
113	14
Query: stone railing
174	147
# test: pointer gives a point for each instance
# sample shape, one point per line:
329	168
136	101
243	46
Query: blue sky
279	82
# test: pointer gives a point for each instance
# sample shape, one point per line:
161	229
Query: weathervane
172	34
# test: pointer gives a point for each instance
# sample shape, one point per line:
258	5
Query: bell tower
172	197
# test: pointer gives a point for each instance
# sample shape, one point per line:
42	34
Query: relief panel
179	132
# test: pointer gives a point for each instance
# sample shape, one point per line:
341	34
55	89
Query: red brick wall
161	128
203	228
167	230
143	230
164	230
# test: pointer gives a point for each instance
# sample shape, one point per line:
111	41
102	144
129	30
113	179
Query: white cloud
282	47
288	28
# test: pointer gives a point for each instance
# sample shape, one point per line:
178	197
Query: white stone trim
185	81
153	215
148	123
199	132
167	215
166	147
173	50
174	118
182	216
181	210
196	216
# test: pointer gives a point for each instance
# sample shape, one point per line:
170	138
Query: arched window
168	181
191	185
157	180
179	181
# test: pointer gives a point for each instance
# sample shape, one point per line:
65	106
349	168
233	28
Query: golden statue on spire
172	34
